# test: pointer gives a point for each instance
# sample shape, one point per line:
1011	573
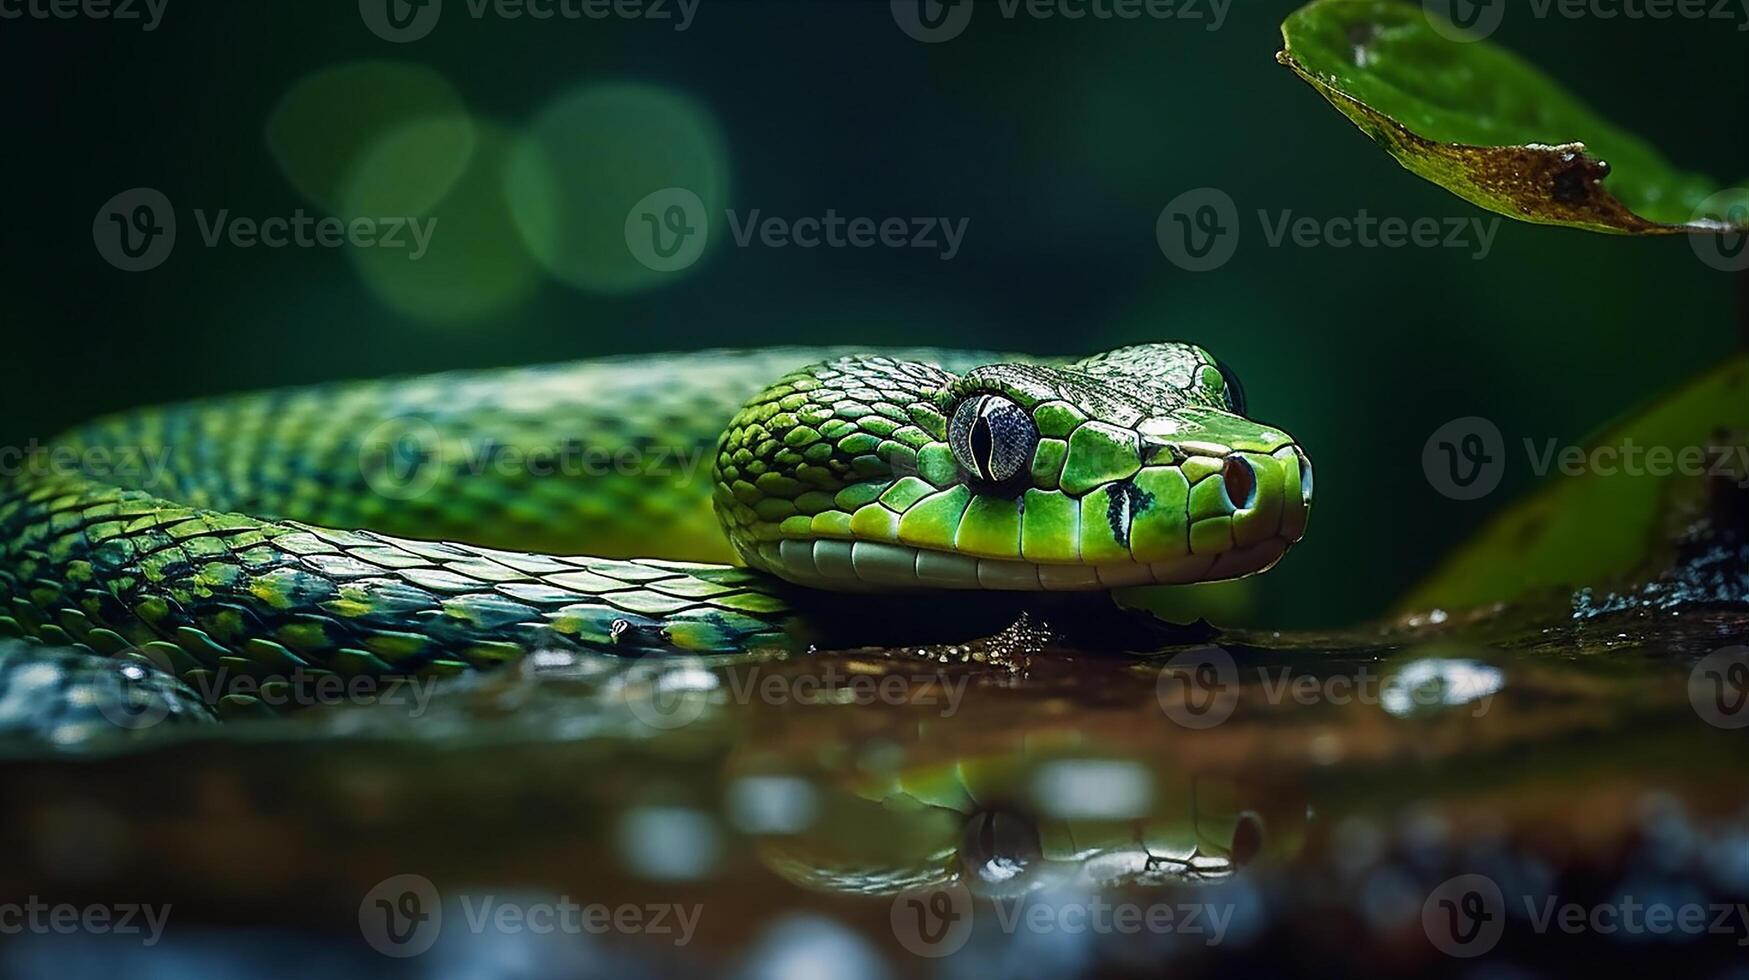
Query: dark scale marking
1126	501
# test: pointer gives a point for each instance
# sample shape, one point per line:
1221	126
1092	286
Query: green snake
693	502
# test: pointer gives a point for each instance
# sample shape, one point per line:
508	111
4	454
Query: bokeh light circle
472	264
589	159
329	119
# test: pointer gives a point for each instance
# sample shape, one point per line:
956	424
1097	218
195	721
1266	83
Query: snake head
1134	467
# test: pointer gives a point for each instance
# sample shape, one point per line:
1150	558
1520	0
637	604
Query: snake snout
1305	477
1297	468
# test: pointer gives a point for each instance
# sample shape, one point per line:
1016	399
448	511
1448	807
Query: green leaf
1620	515
1492	129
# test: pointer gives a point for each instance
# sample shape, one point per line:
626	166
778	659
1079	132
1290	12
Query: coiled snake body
434	524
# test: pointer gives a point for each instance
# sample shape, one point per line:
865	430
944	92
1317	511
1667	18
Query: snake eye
992	437
1235	390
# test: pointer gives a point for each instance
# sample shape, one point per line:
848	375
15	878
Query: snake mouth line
857	565
1240	517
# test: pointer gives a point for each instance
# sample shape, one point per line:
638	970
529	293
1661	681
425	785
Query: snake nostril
1305	478
1241	482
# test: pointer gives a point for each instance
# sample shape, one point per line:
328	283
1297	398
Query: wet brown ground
1260	803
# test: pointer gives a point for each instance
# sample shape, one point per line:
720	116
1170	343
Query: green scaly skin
299	529
841	476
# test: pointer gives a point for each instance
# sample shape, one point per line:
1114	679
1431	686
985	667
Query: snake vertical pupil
992	438
959	434
981	442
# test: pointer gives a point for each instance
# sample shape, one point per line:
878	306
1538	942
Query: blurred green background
1059	141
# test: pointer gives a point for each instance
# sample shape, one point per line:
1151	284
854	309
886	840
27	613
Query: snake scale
691	502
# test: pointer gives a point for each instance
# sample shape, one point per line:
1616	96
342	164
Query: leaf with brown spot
1492	129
